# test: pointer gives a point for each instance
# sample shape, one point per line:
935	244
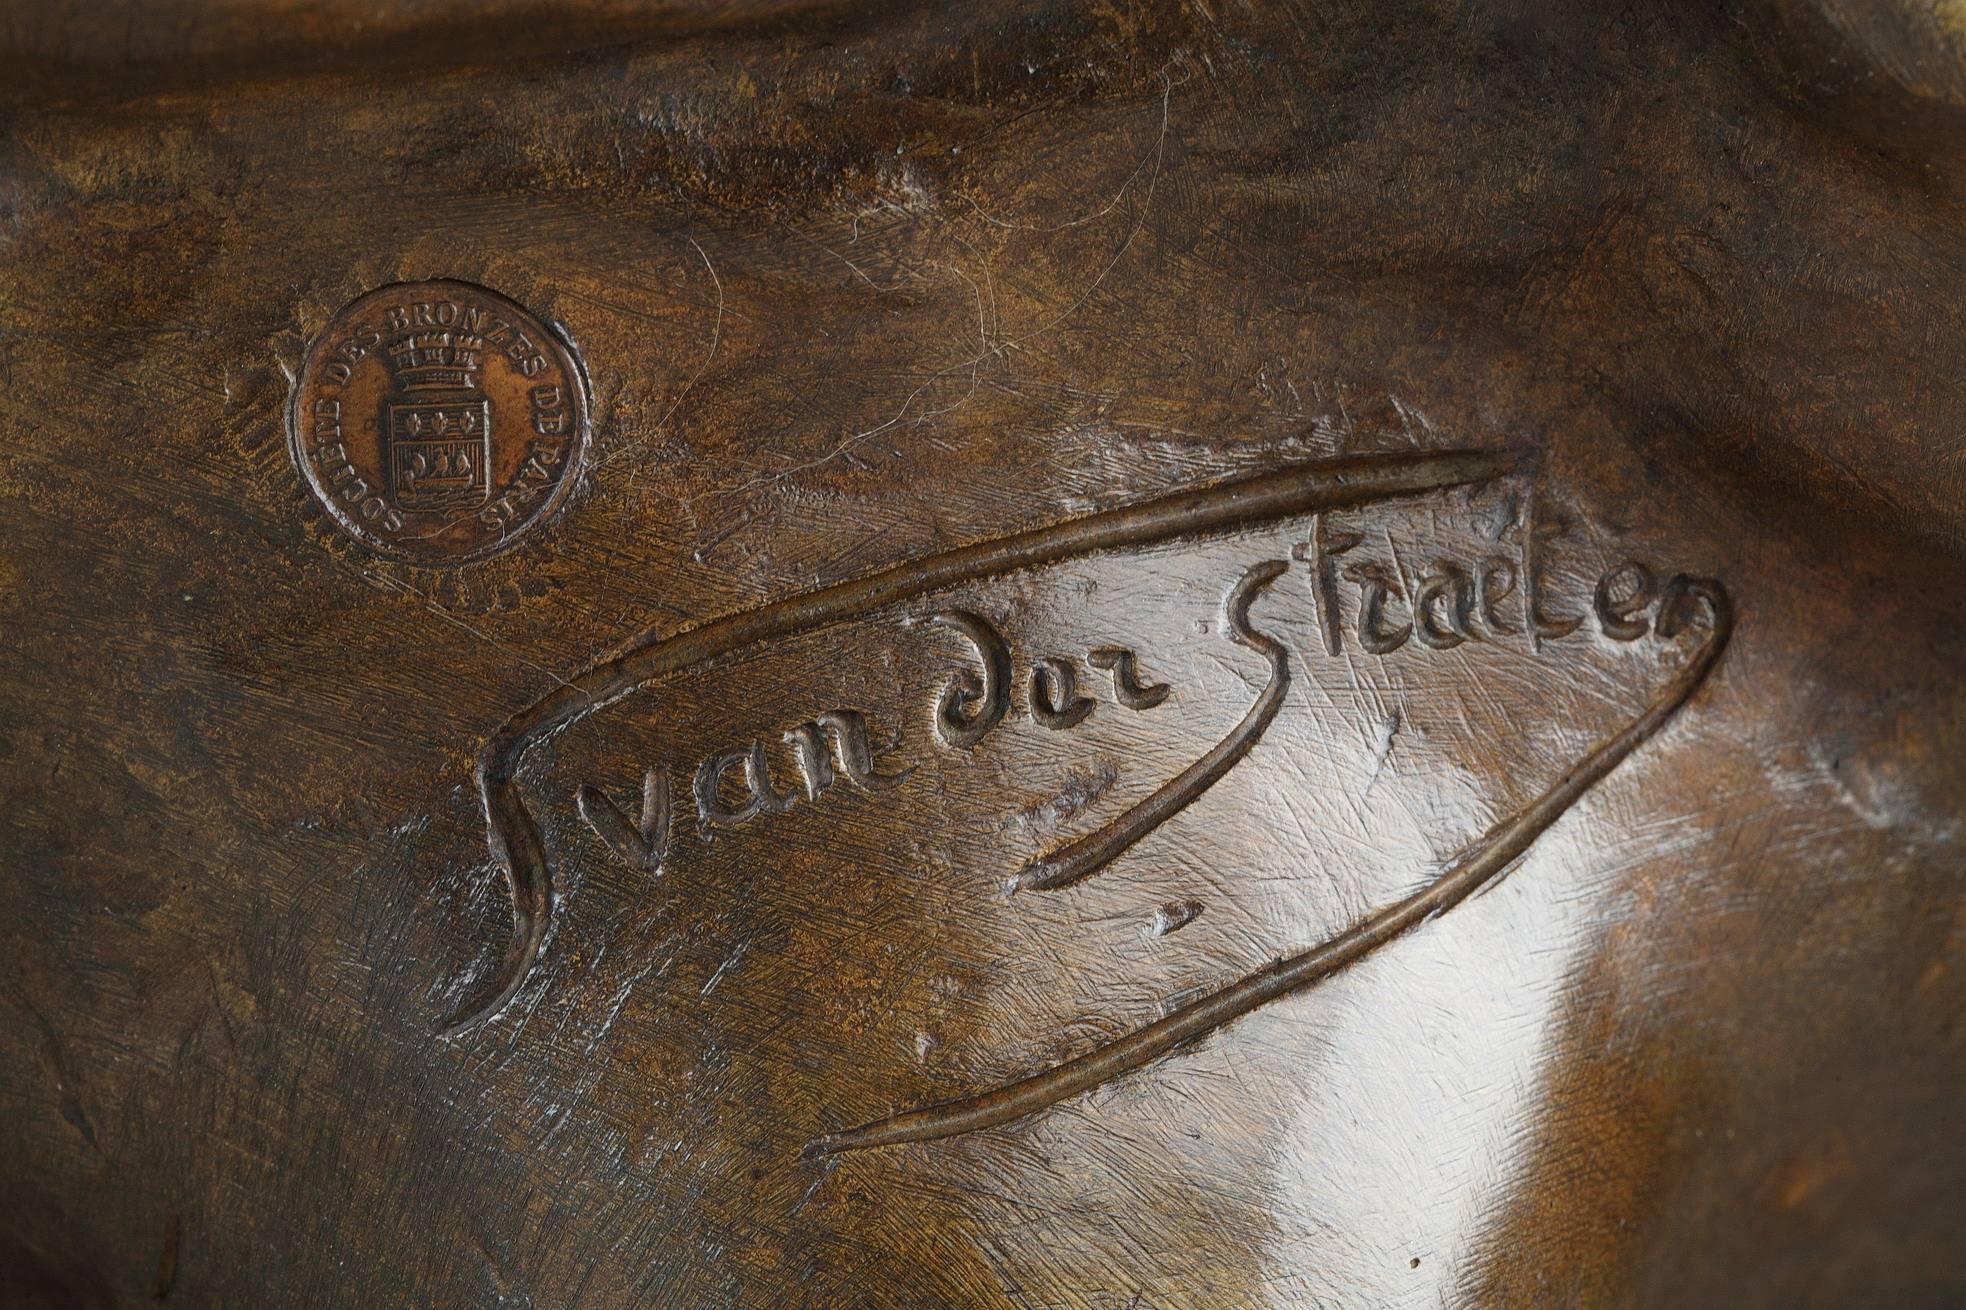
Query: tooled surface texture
857	287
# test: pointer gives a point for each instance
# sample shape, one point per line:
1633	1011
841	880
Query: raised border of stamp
563	346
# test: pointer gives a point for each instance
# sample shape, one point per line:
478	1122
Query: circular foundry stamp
437	421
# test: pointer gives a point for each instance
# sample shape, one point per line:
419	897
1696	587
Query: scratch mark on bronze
993	345
730	962
848	443
1094	851
1139	222
1151	155
66	1099
1478	866
1079	791
513	839
165	1278
716	338
1173	917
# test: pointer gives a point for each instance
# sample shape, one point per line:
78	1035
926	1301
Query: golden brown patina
1018	655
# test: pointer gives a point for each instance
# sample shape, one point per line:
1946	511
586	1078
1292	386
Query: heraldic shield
438	425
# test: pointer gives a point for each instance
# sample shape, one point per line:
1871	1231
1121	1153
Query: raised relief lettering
732	787
1376	582
1621	599
970	706
848	731
1322	552
1455	602
641	845
1542	626
1086	856
1312	488
715	810
1494	589
1055	699
1128	690
1495	582
1443	608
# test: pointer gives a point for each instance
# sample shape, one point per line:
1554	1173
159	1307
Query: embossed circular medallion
437	421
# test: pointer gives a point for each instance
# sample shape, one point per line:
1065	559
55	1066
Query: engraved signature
1451	603
1684	602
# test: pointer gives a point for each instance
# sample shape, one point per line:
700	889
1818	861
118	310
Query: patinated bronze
1027	655
436	421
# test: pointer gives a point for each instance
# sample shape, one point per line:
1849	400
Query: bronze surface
1155	655
437	421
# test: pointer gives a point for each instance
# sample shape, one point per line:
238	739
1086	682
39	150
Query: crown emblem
424	361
